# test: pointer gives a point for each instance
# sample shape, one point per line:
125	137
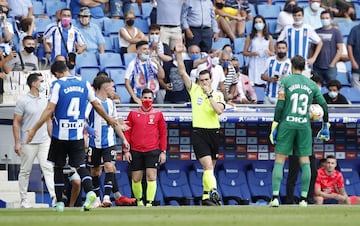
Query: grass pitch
338	215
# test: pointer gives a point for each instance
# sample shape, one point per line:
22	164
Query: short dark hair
100	80
317	79
298	62
28	37
327	11
203	72
334	83
154	27
33	77
281	42
330	157
146	90
298	9
141	43
102	73
59	67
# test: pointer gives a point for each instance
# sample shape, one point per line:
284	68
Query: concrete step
3	175
9	186
12	200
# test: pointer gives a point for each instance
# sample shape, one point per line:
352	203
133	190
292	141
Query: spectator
243	6
158	49
312	14
20	8
339	8
353	48
143	72
229	20
258	47
130	35
4	69
231	79
318	80
168	16
330	53
276	67
121	7
95	42
334	96
244	92
27	111
285	17
27	27
64	32
96	7
26	60
199	22
298	37
330	184
7	30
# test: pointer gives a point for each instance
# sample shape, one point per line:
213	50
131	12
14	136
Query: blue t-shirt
353	40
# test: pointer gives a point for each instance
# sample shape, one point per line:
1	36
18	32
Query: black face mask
219	5
281	55
130	22
237	69
29	49
289	8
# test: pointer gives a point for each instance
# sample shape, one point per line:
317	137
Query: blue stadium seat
260	93
233	185
123	178
110	60
259	181
352	94
271	25
252	9
344	78
38	7
41	24
159	197
88	74
122	92
128	57
174	184
115	41
357	11
142	24
297	190
351	178
268	11
109	45
345	27
240	58
146	9
195	181
112	27
52	6
220	43
86	60
99	22
118	76
248	27
239	45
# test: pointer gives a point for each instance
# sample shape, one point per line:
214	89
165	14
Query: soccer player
102	144
207	105
330	184
67	105
147	136
291	129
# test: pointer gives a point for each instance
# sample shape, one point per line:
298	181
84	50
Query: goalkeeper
291	129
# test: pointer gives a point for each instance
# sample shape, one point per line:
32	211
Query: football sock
277	175
59	182
209	182
305	178
108	183
150	191
86	180
96	185
137	189
115	187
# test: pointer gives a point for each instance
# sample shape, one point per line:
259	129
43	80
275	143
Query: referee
207	105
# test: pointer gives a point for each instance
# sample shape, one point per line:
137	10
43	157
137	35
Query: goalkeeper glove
91	132
273	133
324	133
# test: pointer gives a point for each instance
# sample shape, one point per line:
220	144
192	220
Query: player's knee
108	167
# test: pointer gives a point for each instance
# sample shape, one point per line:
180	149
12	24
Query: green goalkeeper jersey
296	94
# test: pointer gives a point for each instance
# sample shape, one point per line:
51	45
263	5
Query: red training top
329	183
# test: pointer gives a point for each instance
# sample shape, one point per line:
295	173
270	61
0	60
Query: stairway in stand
9	193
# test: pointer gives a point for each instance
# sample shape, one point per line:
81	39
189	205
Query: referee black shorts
144	160
206	142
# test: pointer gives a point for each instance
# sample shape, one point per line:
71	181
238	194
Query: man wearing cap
96	7
95	42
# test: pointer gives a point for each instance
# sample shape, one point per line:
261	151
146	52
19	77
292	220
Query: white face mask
154	38
42	87
215	61
333	94
315	6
